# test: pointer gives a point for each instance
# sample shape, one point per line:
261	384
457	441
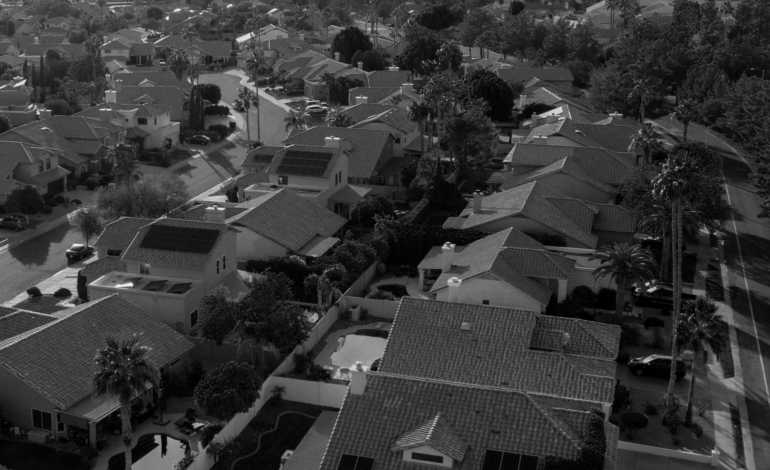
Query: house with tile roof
506	269
170	264
562	131
212	53
48	389
148	124
278	51
396	121
29	164
121	49
67	51
60	22
124	78
15	100
267	33
428	404
7	47
205	21
174	40
372	95
559	77
131	34
170	97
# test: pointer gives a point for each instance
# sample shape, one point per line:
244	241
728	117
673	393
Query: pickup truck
659	295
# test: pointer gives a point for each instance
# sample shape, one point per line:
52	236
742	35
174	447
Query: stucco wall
17	400
252	245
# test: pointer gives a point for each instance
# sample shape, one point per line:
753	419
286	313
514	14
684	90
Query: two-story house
266	33
16	103
396	121
59	22
211	53
148	124
125	78
205	21
131	34
28	164
121	49
170	264
169	97
7	47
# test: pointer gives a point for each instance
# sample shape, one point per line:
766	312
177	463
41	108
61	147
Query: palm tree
194	70
326	285
247	99
191	32
339	119
295	120
699	325
256	63
124	371
125	161
328	78
177	60
686	112
92	46
657	222
418	112
647	141
101	4
624	264
612	5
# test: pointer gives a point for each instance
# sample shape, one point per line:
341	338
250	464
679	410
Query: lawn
43	304
291	430
31	456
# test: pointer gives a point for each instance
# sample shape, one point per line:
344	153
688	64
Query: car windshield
649	359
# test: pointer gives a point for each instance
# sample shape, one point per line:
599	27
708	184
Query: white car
317	111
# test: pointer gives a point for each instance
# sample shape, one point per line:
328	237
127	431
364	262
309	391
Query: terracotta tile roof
21	322
198	212
142	48
61	370
174	40
566	165
16	153
590	339
361	112
582	213
167	96
119	234
602	164
6	311
49	176
252	178
426	341
366	152
527	200
436	433
350	194
486	418
293	220
158	78
388	79
553	97
289	48
102	266
261	157
614	218
373	95
213	48
615	138
524	75
395	117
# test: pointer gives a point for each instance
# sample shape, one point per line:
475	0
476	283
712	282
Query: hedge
292	266
419	213
216	110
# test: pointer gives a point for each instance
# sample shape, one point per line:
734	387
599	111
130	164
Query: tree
646	140
699	325
155	12
438	17
24	200
633	421
150	197
470	136
92	46
339	119
349	41
340	87
123	371
371	60
556	44
5	124
190	33
88	223
228	389
474	24
421	56
418	112
218	315
582	43
327	285
623	264
370	207
125	162
295	120
177	60
101	4
686	112
210	92
516	7
113	23
196	109
486	85
247	99
256	63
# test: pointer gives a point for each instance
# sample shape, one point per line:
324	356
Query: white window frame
144	268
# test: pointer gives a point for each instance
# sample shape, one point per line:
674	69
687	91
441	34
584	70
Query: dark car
656	365
199	140
658	295
78	251
16	222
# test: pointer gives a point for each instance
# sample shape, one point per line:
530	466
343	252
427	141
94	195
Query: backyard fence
376	307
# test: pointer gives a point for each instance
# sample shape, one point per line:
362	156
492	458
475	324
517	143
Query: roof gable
436	433
119	234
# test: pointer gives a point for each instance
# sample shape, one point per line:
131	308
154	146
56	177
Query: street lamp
757	70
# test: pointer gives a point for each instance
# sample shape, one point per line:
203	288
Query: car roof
77	245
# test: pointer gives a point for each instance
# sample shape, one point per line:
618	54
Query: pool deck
412	284
324	357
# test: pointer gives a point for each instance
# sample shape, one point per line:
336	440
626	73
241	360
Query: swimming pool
353	348
152	452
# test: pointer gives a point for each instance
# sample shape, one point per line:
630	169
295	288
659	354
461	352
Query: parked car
79	251
309	103
199	140
317	111
659	294
15	222
656	364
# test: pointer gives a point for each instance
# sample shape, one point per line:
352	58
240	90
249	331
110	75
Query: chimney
37	40
111	96
447	256
215	214
407	87
118	85
105	114
454	288
616	115
332	142
551	119
477	196
360	65
357	379
522	101
301	36
362	99
393	69
44	113
337	56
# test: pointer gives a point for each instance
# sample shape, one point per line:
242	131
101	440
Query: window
40	167
496	460
336	179
59	424
354	462
141	121
217	266
41	420
156	121
174	363
115	253
427	457
224	262
47	163
485	302
144	268
194	318
398	138
282	179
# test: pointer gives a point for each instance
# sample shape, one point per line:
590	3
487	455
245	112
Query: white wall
499	293
252	245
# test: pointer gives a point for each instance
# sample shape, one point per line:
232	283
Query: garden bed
43	304
30	456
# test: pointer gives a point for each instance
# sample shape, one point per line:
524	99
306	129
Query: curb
39	230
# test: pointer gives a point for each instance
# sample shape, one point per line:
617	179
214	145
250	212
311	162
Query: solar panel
354	462
179	288
182	239
304	163
496	460
492	460
528	462
365	463
154	285
510	461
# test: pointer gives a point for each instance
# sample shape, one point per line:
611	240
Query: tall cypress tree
24	71
42	80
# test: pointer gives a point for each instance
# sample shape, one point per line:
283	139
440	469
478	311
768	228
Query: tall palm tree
686	112
93	45
256	63
657	221
328	78
612	5
191	32
295	120
247	99
177	60
647	141
194	70
101	4
699	325
677	182
624	264
124	371
340	119
418	112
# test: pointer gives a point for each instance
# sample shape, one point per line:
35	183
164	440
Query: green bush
46	209
658	340
209	431
583	296
381	295
216	110
605	299
629	335
59	199
92	183
318	373
623	357
50	203
633	422
622	397
696	429
652	322
301	363
292	266
650	409
34	292
62	292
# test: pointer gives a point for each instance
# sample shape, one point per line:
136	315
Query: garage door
56	187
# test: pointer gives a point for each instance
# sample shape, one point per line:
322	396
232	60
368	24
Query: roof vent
578	131
465	326
46	129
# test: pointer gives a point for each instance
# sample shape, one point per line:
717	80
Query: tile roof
437	433
486	418
361	112
48	176
119	234
67	50
174	40
61	370
368	146
142	48
20	322
198	212
6	185
350	194
252	178
16	153
142	110
293	220
527	200
102	266
615	138
604	165
180	259
130	79
567	166
395	117
388	79
612	218
374	95
261	157
582	213
426	341
212	48
289	48
167	96
554	97
524	75
590	339
6	311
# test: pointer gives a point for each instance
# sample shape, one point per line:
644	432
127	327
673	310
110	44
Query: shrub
622	396
50	203
381	295
62	292
174	386
650	409
676	440
47	197
318	373
605	299
209	431
583	296
221	129
92	183
633	422
77	201
34	292
665	312
292	266
216	110
629	334
59	199
194	375
696	429
658	340
652	322
623	357
301	362
670	418
46	209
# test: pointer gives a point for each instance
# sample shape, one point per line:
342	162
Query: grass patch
31	456
44	304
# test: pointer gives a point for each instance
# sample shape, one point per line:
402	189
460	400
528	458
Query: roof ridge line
553	422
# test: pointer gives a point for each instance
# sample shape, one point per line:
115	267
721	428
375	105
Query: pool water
354	348
152	452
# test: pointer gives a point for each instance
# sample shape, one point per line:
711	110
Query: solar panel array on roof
354	462
262	158
303	163
496	460
187	240
154	285
179	288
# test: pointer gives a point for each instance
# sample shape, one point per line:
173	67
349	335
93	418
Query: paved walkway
632	460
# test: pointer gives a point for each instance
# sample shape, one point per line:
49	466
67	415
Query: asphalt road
747	256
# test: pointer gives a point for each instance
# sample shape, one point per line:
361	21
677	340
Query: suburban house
169	97
427	404
277	224
205	21
16	103
396	121
120	49
258	160
7	47
26	26
558	77
170	265
384	95
561	131
147	124
60	22
131	34
29	164
126	78
267	33
278	51
540	92
174	40
47	390
66	51
117	236
536	208
212	53
83	142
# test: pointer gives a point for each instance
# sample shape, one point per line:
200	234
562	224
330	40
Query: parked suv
656	365
16	222
78	251
660	294
199	140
